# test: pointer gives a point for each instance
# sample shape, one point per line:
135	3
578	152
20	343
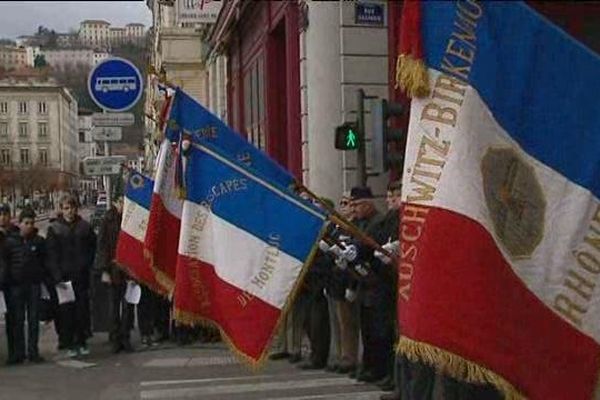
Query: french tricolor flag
500	230
245	242
162	236
130	245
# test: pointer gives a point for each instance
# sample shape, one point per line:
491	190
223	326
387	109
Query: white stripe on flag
135	220
239	258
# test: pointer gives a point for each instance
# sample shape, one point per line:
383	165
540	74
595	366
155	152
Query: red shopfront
264	76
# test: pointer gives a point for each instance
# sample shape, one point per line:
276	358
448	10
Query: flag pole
344	223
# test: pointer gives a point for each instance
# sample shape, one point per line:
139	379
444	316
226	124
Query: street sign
107	133
115	84
369	13
113	119
95	166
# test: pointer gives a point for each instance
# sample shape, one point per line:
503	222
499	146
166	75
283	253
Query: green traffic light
351	140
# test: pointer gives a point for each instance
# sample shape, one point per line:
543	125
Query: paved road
207	372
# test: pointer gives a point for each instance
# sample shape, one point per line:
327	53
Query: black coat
71	249
107	246
25	260
4	235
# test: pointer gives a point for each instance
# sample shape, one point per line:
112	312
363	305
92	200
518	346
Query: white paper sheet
133	293
65	292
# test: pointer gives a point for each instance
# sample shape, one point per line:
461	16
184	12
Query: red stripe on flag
466	299
248	321
162	237
130	255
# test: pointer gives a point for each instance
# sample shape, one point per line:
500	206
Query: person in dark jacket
317	324
374	293
24	258
121	312
7	229
71	247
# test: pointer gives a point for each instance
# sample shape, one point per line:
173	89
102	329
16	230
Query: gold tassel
411	76
456	367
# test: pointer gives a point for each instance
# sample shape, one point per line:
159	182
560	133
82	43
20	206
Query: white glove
341	263
350	295
335	250
105	277
324	246
361	270
392	247
350	253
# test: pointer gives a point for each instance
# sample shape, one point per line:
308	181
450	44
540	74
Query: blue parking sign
115	84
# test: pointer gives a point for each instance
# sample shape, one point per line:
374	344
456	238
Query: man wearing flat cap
373	291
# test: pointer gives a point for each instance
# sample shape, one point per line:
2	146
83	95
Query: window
25	157
3	129
44	157
254	104
42	130
23	129
22	107
5	157
81	137
42	107
3	107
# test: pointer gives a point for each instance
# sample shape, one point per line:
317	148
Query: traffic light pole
361	154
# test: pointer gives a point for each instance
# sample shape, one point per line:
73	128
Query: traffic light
347	137
388	143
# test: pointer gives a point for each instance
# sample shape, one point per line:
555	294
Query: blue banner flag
189	117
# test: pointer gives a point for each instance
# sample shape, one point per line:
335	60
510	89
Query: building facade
94	33
117	36
13	57
179	52
38	137
291	72
135	32
66	58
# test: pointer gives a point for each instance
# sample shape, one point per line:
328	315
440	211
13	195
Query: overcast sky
23	17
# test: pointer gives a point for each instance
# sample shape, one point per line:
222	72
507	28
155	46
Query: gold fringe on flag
456	367
411	76
162	278
191	319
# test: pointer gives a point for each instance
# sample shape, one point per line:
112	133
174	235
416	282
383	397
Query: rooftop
135	24
94	21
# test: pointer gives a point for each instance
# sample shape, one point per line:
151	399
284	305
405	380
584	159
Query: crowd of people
346	306
35	272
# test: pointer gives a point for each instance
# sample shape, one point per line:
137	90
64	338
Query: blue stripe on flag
250	205
139	189
207	128
540	84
